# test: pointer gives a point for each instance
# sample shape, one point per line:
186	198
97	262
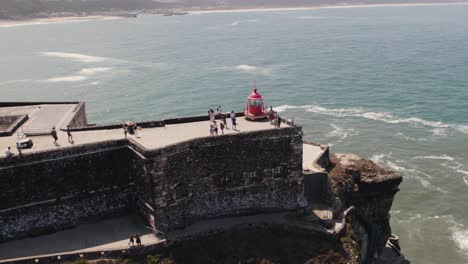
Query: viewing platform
172	173
41	117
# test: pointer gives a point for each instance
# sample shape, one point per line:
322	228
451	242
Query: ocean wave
92	71
379	158
254	69
463	129
407	138
74	57
235	23
383	160
463	172
459	234
311	17
76	78
283	108
442	132
433	157
379	116
341	133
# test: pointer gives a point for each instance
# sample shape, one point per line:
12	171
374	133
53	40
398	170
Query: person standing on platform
233	120
224	120
53	132
221	125
8	153
70	137
19	147
131	242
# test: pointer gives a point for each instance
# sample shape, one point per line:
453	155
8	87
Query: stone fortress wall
249	172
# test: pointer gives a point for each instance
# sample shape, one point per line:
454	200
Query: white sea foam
235	23
94	83
283	108
311	17
75	78
442	132
463	172
92	71
254	69
407	138
379	158
463	129
341	133
434	157
383	159
440	127
460	237
74	57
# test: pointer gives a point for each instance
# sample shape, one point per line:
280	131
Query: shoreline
314	7
70	19
54	20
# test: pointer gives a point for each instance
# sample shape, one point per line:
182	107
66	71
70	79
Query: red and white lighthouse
255	109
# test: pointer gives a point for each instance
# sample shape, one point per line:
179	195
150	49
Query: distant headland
43	12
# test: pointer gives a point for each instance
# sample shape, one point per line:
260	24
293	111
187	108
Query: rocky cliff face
370	190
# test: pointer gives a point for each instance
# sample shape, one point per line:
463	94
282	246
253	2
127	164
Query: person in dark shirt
53	132
70	137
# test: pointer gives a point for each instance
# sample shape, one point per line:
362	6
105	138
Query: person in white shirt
19	147
8	153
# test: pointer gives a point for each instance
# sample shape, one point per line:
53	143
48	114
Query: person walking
19	147
70	137
233	120
8	153
221	125
138	240
215	128
125	129
131	242
224	120
53	132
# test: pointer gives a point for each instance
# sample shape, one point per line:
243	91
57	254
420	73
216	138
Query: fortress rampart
178	184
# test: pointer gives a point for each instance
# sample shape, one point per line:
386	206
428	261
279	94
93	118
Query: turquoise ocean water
387	83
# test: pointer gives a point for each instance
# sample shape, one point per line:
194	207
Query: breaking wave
311	17
91	71
383	159
378	116
459	234
341	133
235	23
254	69
74	57
433	157
407	138
77	78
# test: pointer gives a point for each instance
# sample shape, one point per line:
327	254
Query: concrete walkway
113	235
150	138
104	235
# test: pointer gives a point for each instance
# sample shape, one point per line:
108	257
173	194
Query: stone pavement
150	138
310	154
113	235
103	235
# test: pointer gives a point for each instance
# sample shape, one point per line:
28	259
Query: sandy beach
53	20
261	9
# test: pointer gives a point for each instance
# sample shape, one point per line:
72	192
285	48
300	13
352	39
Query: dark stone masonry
176	185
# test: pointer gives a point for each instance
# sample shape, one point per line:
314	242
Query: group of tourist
54	134
274	117
131	128
219	115
135	238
